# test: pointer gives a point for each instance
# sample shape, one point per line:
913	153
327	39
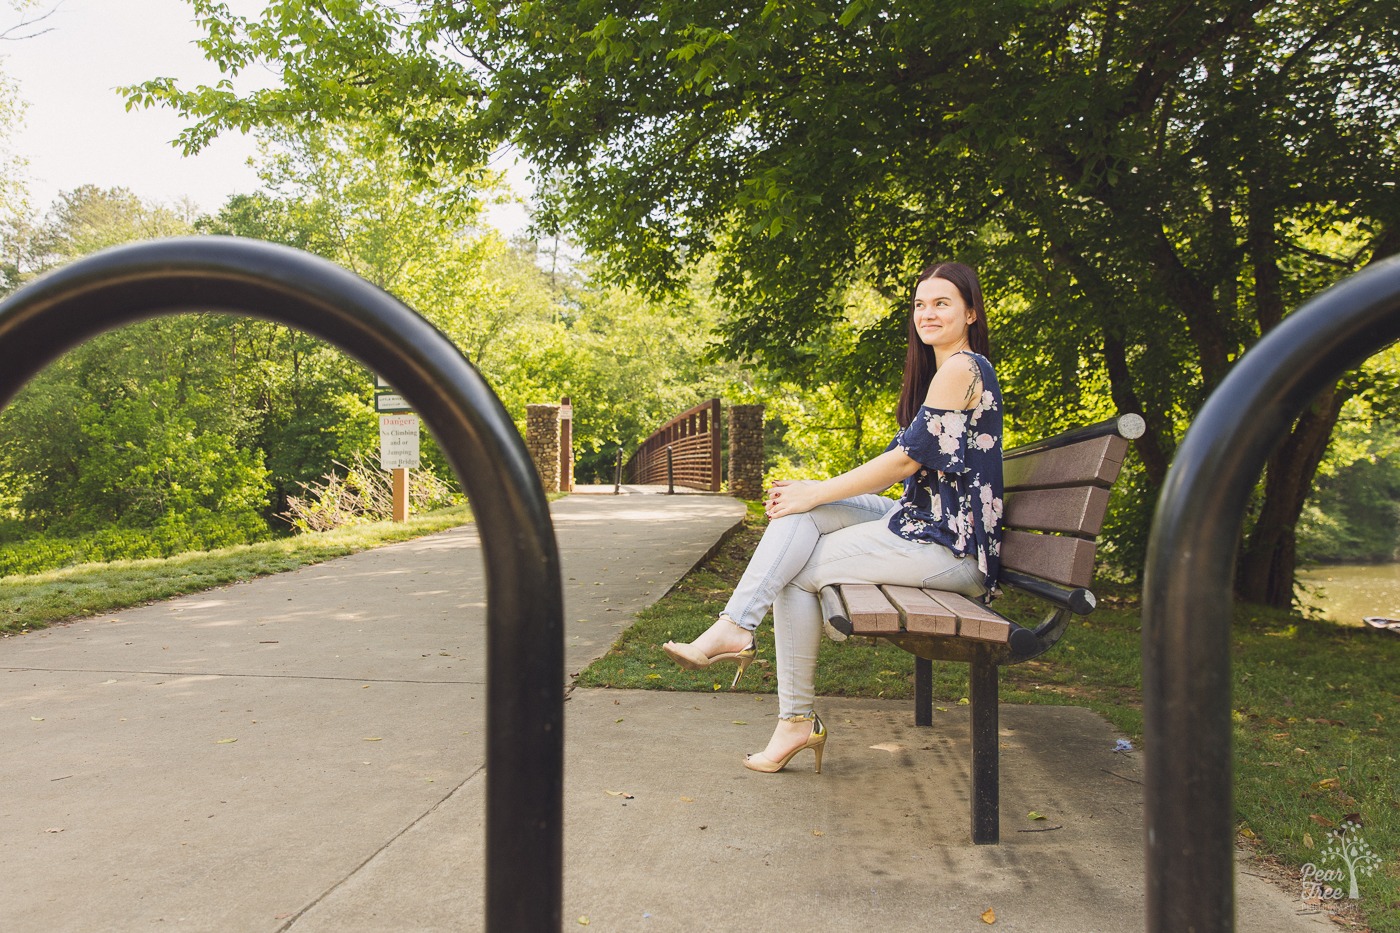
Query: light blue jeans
841	542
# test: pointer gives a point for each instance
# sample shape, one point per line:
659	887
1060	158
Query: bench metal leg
923	692
986	787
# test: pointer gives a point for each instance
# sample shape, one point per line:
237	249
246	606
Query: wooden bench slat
974	619
1096	461
1075	509
921	612
1051	557
868	609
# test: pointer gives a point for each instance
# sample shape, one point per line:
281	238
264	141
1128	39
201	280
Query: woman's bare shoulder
956	384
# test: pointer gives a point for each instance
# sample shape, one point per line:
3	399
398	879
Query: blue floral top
956	499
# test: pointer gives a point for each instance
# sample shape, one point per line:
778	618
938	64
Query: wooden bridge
684	451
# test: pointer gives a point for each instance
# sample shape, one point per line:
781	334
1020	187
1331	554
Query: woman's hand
791	496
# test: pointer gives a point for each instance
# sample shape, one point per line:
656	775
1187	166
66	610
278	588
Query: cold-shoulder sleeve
937	439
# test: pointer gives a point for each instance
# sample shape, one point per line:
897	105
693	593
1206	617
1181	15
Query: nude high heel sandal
693	659
816	742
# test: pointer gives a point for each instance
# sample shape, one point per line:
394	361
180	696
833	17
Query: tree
337	192
638	362
1144	187
1353	510
90	218
12	165
135	428
340	192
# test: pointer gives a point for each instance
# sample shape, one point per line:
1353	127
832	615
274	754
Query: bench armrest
834	611
1078	600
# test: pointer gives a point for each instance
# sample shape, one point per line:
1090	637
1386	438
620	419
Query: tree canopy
1147	188
195	430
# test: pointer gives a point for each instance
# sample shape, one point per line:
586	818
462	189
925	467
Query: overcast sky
77	130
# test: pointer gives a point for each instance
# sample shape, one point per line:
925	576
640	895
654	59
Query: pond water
1347	592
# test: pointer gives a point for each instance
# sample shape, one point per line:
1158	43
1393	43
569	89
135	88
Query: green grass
1315	705
33	601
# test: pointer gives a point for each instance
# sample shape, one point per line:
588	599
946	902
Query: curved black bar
525	604
1187	592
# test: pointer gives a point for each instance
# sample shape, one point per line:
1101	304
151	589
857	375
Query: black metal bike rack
525	603
1187	590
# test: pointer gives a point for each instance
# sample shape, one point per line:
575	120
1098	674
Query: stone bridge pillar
746	451
542	440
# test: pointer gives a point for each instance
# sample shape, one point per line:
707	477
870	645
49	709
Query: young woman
943	532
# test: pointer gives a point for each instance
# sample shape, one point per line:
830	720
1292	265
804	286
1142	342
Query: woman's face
941	316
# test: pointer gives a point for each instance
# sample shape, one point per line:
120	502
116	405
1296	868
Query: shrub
201	530
364	494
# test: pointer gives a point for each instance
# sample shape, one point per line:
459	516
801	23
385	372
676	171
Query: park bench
1056	497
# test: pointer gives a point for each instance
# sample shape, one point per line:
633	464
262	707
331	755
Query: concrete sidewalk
305	752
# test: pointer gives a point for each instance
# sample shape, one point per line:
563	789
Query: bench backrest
1056	499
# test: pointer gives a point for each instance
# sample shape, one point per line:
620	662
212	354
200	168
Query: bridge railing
684	451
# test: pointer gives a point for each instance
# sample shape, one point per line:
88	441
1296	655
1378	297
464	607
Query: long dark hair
919	362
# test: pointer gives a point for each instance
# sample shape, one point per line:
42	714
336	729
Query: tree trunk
1155	460
1122	386
1268	559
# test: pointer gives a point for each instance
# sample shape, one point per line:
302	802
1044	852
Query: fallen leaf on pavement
225	741
373	738
619	793
989	916
1035	816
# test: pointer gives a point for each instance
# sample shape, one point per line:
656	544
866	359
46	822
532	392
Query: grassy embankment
1316	707
32	601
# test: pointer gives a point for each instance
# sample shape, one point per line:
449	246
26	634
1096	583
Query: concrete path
305	752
